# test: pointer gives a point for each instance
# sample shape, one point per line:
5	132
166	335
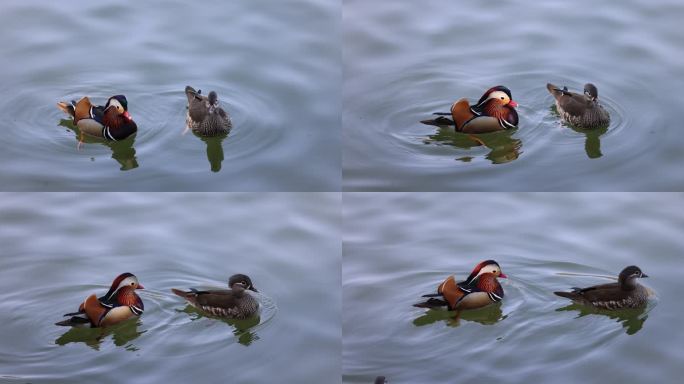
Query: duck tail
439	121
182	294
67	108
431	303
74	321
569	295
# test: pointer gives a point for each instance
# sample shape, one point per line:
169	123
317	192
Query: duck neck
127	296
628	284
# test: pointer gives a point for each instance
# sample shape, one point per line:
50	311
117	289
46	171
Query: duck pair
121	302
495	111
482	288
112	121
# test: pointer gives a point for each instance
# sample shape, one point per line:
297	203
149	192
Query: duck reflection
242	328
503	147
488	315
122	151
592	142
214	150
631	319
122	335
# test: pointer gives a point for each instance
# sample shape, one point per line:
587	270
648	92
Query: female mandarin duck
626	293
111	121
481	288
118	304
583	111
231	304
495	111
205	116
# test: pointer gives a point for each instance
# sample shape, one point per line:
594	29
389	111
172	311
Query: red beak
127	115
140	286
512	103
503	275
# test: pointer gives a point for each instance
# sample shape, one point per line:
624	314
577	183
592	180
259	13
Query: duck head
497	102
487	266
628	276
590	91
120	105
213	101
242	280
125	281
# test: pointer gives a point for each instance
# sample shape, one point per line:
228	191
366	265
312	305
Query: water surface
59	248
400	246
404	60
274	65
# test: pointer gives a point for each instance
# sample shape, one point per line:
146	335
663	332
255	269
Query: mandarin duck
111	121
118	304
495	111
626	293
582	111
205	116
481	288
234	303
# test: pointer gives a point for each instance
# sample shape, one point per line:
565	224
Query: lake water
274	64
59	248
404	60
400	246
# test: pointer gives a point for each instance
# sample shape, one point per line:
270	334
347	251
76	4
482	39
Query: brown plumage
118	304
626	293
478	290
205	117
234	303
580	110
111	121
495	111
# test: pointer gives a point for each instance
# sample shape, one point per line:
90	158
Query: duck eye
502	98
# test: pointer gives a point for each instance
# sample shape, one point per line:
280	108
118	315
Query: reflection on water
592	143
214	150
488	315
503	148
122	335
632	319
242	328
122	151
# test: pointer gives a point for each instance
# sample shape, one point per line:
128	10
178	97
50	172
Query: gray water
404	60
400	246
59	248
274	64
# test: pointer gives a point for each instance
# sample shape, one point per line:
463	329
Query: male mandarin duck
481	288
205	116
626	293
234	303
583	111
111	121
495	111
118	304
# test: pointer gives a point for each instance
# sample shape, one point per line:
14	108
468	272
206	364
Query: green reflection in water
214	150
632	319
122	151
488	315
242	328
122	335
503	148
592	142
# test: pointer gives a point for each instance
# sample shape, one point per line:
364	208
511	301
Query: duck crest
115	285
477	269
